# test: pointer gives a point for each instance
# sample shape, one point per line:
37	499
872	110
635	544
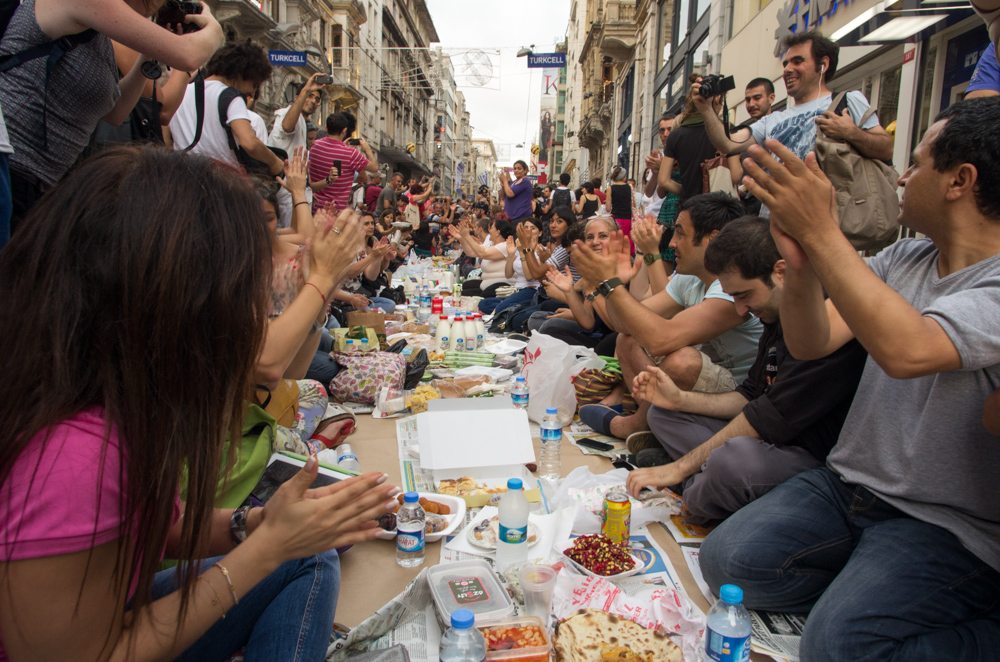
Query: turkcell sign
546	60
287	58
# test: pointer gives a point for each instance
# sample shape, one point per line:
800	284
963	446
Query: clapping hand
561	280
646	233
336	244
295	178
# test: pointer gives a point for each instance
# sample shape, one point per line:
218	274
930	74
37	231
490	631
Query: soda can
617	516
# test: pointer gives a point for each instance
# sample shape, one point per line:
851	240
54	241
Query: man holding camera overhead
809	59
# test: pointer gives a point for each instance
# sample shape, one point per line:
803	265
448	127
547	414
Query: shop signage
802	15
546	60
287	58
909	55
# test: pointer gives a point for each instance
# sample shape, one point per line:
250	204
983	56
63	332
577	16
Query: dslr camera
715	85
173	12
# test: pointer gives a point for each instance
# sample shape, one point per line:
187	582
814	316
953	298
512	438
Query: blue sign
546	60
287	58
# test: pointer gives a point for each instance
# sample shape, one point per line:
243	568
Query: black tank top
621	201
590	208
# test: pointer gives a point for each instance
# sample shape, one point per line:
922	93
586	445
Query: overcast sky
499	113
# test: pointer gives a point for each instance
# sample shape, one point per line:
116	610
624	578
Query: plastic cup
537	583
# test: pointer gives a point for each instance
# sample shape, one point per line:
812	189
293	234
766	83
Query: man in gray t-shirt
894	546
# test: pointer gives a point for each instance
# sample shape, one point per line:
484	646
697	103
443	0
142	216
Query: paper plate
455	519
506	346
490	542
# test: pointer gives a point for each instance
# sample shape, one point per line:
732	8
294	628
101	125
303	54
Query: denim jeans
877	583
323	368
287	616
496	305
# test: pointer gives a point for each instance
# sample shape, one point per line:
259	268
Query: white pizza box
489	445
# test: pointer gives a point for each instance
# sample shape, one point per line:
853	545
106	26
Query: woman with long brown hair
134	311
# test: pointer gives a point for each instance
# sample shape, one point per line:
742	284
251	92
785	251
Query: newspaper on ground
777	635
684	532
691	554
414	478
408	619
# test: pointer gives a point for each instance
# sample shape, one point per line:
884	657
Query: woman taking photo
149	357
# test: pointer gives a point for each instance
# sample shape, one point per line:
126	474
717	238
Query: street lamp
525	52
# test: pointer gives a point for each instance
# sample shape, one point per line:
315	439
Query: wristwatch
604	289
238	524
650	258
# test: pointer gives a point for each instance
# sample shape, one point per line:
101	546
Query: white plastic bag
549	368
585	489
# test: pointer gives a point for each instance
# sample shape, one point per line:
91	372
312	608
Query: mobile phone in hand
337	165
587	442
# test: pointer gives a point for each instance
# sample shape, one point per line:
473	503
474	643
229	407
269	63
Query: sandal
334	414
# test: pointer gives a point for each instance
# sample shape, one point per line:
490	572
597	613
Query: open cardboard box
488	445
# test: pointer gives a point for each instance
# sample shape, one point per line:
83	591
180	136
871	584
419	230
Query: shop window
888	96
681	19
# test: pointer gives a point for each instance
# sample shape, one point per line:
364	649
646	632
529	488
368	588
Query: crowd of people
834	417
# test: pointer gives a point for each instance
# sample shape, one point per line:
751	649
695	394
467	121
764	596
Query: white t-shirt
213	143
735	349
287	141
259	127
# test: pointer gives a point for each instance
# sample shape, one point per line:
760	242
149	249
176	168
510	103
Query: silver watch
238	524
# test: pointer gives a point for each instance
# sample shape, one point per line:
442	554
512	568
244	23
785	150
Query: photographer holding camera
809	60
53	104
689	145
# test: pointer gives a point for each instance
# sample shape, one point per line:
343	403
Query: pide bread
591	635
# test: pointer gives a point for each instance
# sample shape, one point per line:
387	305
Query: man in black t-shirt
724	450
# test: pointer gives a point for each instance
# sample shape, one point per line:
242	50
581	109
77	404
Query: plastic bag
587	490
549	368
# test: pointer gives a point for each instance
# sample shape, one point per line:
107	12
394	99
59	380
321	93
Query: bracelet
229	581
216	601
300	202
317	292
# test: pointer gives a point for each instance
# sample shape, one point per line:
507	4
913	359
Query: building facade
484	164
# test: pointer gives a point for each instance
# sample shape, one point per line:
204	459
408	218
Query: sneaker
651	457
638	441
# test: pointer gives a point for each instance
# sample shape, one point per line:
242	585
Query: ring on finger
336	230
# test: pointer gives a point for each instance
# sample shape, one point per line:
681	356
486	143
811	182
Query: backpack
562	198
867	204
249	163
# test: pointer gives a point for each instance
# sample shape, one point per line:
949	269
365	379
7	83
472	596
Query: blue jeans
287	616
323	368
383	304
878	584
496	305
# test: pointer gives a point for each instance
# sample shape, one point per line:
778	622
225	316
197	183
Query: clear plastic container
500	629
471	585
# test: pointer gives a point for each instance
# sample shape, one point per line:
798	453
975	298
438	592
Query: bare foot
616	396
623	426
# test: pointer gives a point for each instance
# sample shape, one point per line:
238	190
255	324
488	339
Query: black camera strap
199	110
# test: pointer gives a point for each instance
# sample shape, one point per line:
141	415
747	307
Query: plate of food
598	556
591	635
444	515
484	533
467	487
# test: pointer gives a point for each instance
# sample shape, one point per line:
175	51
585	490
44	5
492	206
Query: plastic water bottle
727	631
424	308
549	465
347	459
512	541
470	332
410	522
519	394
462	642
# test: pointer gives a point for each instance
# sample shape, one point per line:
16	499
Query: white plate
636	569
455	519
506	346
470	535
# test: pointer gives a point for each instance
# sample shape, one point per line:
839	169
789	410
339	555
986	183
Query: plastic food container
471	585
502	636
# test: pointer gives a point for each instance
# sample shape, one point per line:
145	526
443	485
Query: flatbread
591	635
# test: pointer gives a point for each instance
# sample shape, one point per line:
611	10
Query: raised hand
336	244
299	522
561	280
646	233
654	386
295	177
